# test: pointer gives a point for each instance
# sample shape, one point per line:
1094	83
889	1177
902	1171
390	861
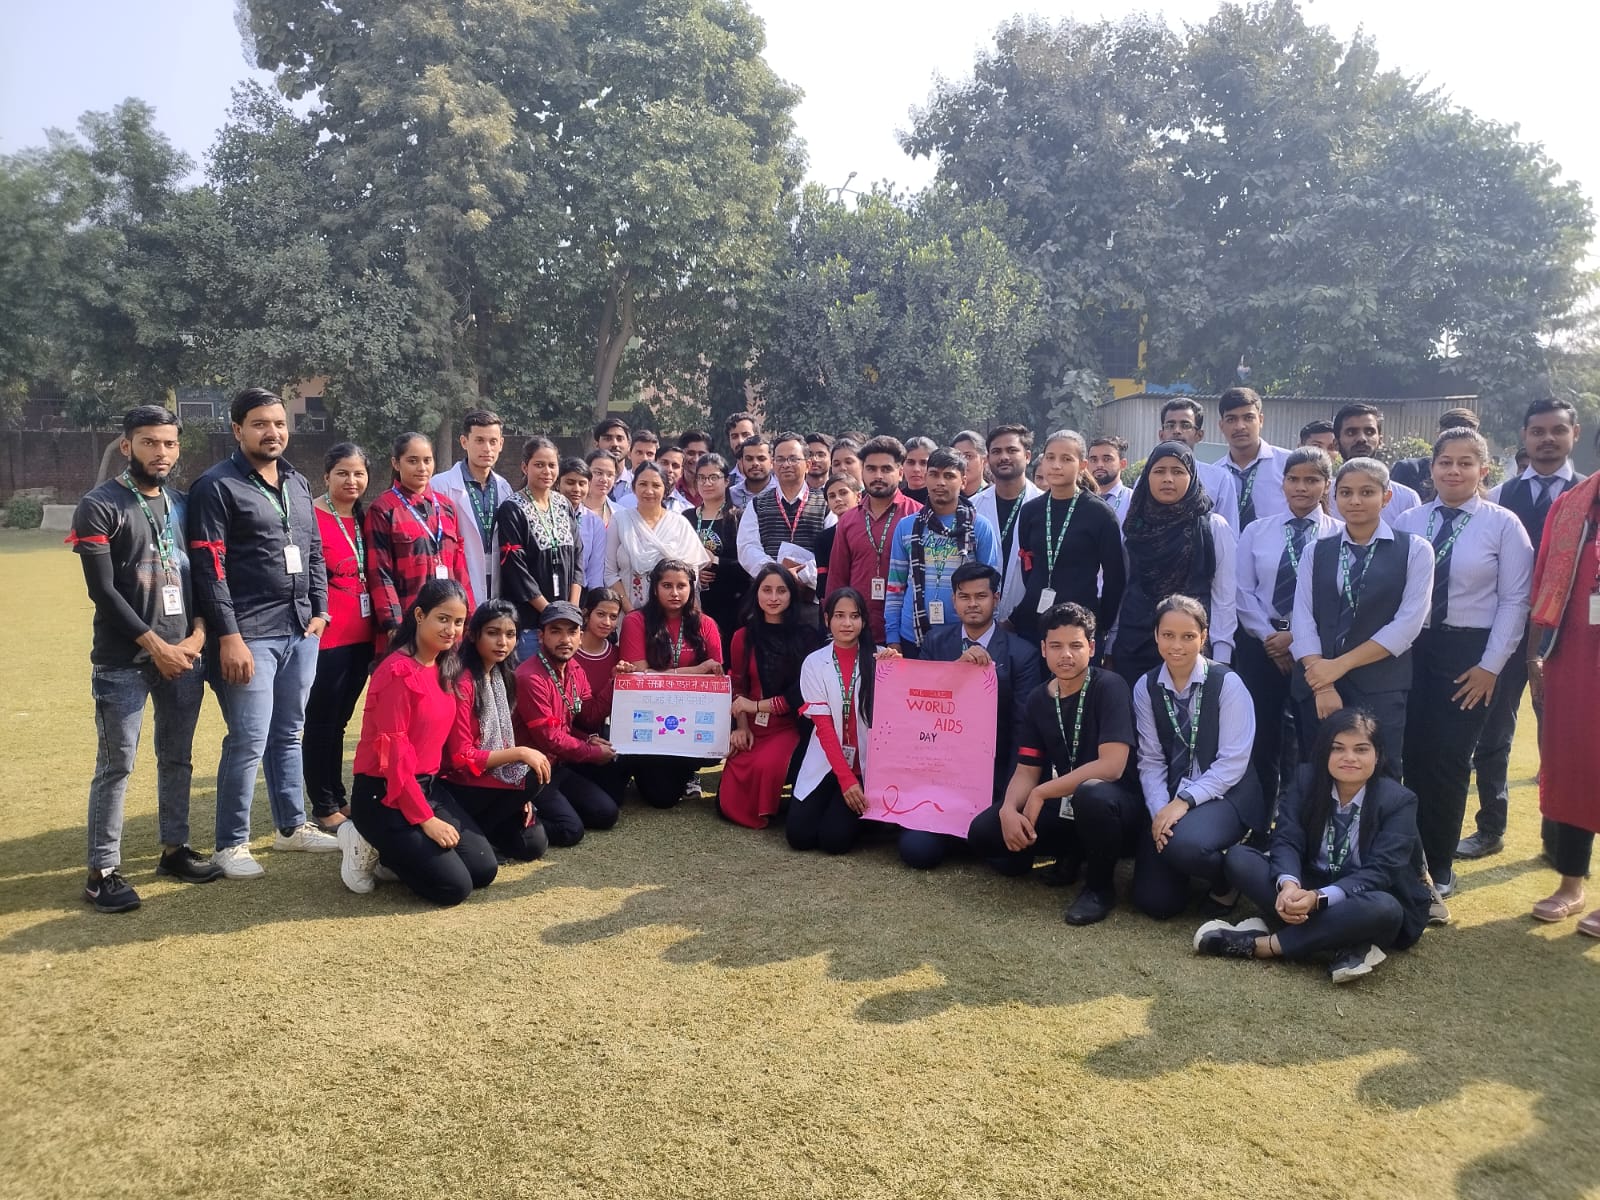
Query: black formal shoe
1090	907
111	893
1219	906
183	863
1480	845
1354	964
1061	873
1224	941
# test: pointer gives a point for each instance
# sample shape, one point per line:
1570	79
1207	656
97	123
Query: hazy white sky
863	64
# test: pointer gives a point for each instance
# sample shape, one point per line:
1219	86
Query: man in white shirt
1010	447
1183	420
477	491
1358	428
1256	466
1108	459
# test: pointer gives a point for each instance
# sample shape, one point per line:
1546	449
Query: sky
863	64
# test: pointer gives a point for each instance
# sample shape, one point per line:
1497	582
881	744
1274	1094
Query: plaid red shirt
404	552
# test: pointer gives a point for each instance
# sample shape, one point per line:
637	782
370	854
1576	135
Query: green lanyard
1077	718
1340	854
1005	530
1177	725
358	544
1052	541
1443	551
1247	482
703	529
546	523
1288	548
878	544
272	498
848	692
573	701
677	648
482	508
1351	593
166	546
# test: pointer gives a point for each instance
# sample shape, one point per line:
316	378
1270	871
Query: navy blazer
1391	852
1018	667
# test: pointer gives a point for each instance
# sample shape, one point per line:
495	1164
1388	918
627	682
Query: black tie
1442	552
1247	493
1347	611
1541	502
1180	756
1283	589
967	644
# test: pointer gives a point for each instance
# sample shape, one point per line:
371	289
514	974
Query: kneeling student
1344	873
1075	740
836	685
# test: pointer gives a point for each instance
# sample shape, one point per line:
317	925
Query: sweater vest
1207	737
773	525
1381	591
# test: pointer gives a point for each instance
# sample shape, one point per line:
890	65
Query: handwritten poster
931	764
686	716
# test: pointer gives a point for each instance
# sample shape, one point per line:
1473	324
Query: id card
1594	609
762	719
936	612
849	756
172	600
1047	600
1066	809
366	604
291	559
555	586
441	572
879	589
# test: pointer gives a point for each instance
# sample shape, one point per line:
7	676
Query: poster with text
931	764
687	716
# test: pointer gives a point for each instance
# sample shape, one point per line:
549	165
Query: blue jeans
119	697
264	718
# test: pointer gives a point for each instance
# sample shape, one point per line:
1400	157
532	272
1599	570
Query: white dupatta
633	548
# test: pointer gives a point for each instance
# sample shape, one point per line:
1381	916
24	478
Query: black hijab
1164	539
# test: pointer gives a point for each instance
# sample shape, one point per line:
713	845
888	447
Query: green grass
682	1008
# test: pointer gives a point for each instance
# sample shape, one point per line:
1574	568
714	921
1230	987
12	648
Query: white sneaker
360	858
307	837
238	863
1252	925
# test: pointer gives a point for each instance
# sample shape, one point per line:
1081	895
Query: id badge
291	559
555	586
762	719
936	612
849	756
1047	600
1066	809
879	589
441	572
172	600
366	604
1594	609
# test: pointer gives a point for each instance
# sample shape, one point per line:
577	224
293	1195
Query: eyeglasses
788	461
711	478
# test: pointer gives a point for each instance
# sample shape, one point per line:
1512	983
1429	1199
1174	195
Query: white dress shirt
1224	589
1235	738
1261	549
1266	491
1395	637
1491	573
1118	498
753	556
1564	475
1218	483
483	562
1402	499
740	496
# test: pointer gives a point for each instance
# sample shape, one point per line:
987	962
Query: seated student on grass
398	816
598	656
668	636
836	684
491	777
586	783
1196	726
979	640
765	664
1359	604
1066	797
1344	873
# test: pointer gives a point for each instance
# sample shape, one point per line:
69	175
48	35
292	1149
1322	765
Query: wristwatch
1187	799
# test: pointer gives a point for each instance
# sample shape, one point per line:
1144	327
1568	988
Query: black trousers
498	813
1355	921
1194	851
822	820
439	874
1440	738
1572	848
1269	694
341	676
1104	826
1492	759
661	778
579	796
1389	709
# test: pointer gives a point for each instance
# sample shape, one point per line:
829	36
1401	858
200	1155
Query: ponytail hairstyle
404	640
472	662
657	643
866	648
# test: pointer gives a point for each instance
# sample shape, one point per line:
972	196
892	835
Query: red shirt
601	672
346	625
403	731
544	717
856	563
633	646
465	760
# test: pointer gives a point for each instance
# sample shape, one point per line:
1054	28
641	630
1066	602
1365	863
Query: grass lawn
682	1008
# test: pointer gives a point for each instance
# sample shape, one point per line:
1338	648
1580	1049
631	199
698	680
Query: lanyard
1016	507
358	544
1340	854
1288	547
1077	718
435	536
1247	482
944	536
1177	725
1443	551
677	647
482	508
704	528
547	523
278	506
573	702
1351	595
1115	500
878	544
1052	541
847	692
800	508
166	546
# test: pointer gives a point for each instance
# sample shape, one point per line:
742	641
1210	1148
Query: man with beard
738	429
1358	428
819	458
1108	459
147	645
789	514
1183	420
755	471
1009	449
861	546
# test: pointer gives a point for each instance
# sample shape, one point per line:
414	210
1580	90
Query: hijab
1164	539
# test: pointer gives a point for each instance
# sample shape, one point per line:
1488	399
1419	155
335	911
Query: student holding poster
836	684
1066	797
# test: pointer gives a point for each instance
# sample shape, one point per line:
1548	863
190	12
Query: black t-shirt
1005	512
1089	569
1108	718
110	525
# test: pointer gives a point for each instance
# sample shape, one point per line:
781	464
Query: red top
632	639
842	771
544	716
465	760
855	563
601	672
746	678
403	731
346	625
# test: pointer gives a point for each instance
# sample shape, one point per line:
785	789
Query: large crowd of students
1260	678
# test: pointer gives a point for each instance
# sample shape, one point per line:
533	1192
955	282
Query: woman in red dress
765	664
1566	625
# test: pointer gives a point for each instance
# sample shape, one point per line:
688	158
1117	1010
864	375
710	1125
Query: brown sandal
1552	909
1590	925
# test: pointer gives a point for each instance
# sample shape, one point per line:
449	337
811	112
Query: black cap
561	610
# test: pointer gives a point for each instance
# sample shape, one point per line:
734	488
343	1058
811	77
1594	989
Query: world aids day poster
931	764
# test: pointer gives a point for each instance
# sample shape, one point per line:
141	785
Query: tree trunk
612	342
110	460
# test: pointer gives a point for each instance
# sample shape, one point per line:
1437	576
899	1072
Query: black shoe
1355	963
183	863
1219	906
111	893
1061	873
1480	845
1226	942
1090	907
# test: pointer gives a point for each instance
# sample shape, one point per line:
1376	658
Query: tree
898	315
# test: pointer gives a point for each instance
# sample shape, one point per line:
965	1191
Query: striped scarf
966	539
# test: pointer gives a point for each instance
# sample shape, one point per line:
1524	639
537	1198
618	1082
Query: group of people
1261	675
